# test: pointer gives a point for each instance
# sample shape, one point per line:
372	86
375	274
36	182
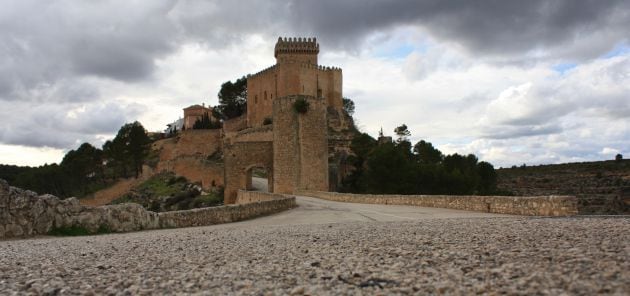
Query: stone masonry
23	213
513	205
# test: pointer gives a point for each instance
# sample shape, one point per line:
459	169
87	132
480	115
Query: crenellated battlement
296	45
261	72
320	67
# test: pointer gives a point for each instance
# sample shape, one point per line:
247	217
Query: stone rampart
254	134
235	124
210	174
513	205
24	213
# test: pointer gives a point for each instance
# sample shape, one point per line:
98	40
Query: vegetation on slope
167	192
600	186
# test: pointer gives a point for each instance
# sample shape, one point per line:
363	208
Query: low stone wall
245	197
514	205
24	213
225	214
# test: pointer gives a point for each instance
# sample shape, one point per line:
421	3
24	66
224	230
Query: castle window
265	95
319	93
255	99
272	96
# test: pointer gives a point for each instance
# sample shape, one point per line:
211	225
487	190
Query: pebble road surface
434	255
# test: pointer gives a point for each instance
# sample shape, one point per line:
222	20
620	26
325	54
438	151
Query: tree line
86	169
397	167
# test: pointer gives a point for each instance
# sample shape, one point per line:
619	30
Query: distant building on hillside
194	113
382	139
174	126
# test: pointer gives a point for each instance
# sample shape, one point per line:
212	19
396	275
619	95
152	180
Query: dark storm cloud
62	125
503	28
45	42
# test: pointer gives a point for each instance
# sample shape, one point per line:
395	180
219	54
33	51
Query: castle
296	72
298	150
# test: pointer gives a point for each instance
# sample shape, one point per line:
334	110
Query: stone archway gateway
259	178
294	152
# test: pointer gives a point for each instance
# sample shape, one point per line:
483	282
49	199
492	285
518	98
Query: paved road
318	211
330	248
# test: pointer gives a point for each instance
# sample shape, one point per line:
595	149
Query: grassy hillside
166	192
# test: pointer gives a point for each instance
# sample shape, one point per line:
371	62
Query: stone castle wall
313	146
235	124
199	170
523	205
287	79
24	213
187	155
254	134
245	196
202	142
300	145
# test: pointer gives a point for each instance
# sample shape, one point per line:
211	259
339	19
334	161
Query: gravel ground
583	256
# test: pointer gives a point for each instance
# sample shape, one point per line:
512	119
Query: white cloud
30	156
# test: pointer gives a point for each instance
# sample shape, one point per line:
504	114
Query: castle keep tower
296	72
302	51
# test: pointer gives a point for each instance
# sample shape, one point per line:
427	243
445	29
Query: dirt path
107	195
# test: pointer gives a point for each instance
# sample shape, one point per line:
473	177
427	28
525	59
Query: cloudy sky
511	81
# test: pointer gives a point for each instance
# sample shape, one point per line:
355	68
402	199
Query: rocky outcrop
24	213
341	131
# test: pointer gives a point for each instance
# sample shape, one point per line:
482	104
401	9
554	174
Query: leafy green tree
487	178
138	146
126	152
426	153
205	122
83	167
403	133
362	144
389	171
232	99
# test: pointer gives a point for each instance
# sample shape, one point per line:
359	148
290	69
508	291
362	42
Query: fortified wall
191	154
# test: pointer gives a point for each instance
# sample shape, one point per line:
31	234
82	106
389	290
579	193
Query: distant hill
602	187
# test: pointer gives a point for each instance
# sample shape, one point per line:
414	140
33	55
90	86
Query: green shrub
69	231
301	105
78	230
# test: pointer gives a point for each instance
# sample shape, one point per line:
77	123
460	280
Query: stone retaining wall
514	205
225	214
24	213
245	197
